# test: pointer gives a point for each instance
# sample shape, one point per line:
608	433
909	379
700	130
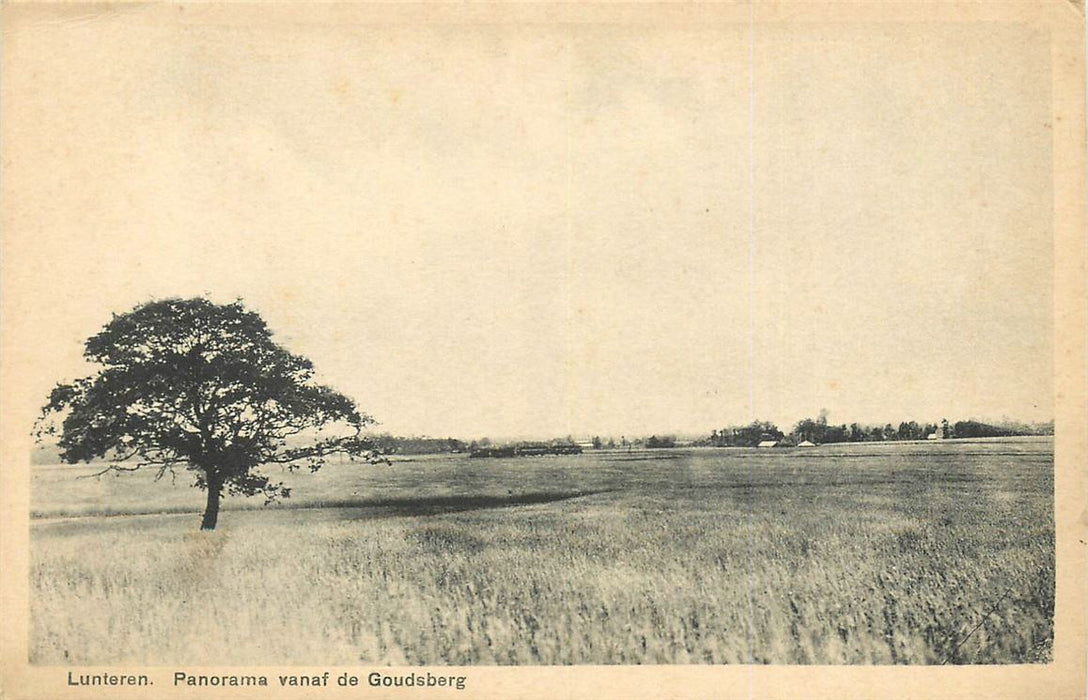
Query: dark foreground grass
872	554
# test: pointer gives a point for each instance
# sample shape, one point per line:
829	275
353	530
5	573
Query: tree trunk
211	512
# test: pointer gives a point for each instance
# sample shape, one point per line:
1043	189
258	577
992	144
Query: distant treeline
395	445
815	430
819	431
528	449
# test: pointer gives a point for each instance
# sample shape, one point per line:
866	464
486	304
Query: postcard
503	350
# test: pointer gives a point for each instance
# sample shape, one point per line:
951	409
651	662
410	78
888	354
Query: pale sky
500	230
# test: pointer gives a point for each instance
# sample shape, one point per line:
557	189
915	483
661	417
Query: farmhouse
768	443
806	443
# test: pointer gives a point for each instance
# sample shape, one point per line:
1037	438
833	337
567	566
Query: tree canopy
189	384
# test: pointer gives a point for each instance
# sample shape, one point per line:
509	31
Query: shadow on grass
363	508
437	505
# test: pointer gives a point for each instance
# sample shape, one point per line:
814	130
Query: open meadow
894	553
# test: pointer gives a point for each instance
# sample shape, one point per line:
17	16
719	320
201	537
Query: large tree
188	384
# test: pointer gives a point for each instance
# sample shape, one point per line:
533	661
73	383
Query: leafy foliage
191	384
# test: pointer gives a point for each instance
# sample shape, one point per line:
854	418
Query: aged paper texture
712	349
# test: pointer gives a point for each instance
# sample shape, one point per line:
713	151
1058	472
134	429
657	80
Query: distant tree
946	430
1046	428
975	429
655	442
597	444
811	430
910	430
804	430
755	433
185	383
837	433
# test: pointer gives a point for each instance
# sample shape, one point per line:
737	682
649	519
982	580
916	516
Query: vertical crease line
750	630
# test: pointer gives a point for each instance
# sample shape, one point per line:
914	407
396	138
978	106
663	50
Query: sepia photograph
500	350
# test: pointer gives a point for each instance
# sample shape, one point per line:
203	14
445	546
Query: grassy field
903	553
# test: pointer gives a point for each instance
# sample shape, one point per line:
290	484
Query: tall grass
865	556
